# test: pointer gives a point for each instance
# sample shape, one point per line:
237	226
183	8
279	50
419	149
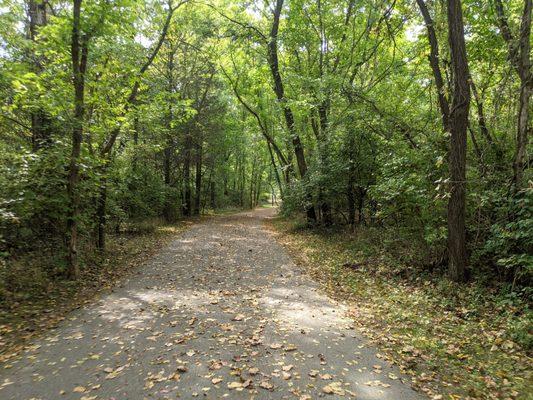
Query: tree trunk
350	187
40	121
519	54
187	201
350	198
526	87
213	194
457	155
79	53
361	193
101	212
522	133
167	154
325	208
434	61
198	180
276	173
131	101
252	185
258	190
242	184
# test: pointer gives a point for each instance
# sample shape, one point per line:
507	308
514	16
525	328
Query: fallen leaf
266	385
235	385
334	388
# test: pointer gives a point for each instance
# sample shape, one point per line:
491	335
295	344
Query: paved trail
222	312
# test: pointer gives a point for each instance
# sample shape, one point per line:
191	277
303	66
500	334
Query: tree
280	94
519	50
40	122
79	53
457	157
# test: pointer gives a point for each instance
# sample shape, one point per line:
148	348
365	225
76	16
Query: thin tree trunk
242	184
458	130
212	190
187	201
167	159
40	121
101	212
481	116
258	189
434	61
276	173
198	180
252	184
167	154
519	51
350	195
522	133
350	198
79	53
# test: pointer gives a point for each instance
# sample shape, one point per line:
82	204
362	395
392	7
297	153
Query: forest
399	126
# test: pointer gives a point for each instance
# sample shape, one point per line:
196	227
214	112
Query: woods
396	127
355	113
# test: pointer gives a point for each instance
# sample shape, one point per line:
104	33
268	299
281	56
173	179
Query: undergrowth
465	341
34	296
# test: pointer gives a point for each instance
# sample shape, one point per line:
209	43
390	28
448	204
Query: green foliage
33	199
510	242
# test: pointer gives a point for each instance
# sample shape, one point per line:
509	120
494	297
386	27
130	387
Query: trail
222	312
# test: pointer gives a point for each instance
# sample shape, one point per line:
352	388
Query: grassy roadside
41	302
463	342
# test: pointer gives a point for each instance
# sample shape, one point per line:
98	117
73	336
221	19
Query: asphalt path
222	312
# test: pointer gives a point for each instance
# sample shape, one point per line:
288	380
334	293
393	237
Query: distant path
222	312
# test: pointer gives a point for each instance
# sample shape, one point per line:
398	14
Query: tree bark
482	122
457	156
41	128
213	194
198	176
274	167
187	200
79	53
167	160
167	153
101	212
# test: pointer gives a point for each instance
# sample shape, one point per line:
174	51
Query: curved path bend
221	312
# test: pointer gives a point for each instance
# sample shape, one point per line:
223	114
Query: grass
456	341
